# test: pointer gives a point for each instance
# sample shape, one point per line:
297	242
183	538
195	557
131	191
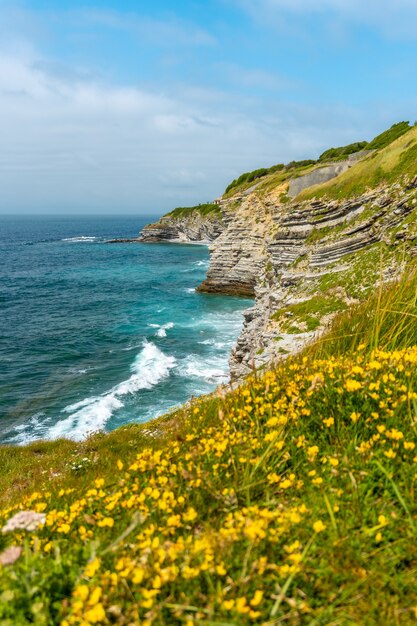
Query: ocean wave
30	430
189	289
162	328
162	331
212	371
219	345
91	414
80	239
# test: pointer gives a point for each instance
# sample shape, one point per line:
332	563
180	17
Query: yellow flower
81	592
95	615
241	606
106	521
95	596
92	568
228	604
120	465
190	515
312	452
352	385
318	526
257	598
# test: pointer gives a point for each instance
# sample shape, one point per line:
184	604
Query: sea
96	335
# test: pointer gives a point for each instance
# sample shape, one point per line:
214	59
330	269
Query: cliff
200	224
307	258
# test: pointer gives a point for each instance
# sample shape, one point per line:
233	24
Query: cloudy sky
139	106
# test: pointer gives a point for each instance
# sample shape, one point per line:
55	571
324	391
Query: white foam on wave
80	239
219	345
162	328
212	372
202	263
162	331
91	414
29	431
189	289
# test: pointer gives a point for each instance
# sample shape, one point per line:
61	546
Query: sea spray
91	414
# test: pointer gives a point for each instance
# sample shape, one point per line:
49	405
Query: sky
137	107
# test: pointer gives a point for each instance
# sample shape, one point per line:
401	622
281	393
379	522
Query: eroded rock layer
290	254
191	228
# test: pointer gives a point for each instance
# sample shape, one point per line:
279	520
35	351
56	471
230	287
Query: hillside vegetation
341	153
268	178
202	209
289	500
383	166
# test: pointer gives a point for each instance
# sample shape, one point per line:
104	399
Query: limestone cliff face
304	262
239	254
190	228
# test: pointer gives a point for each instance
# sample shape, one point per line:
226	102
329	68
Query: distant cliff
199	224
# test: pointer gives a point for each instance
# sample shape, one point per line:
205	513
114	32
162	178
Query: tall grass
387	320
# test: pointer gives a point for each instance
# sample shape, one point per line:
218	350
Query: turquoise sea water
93	335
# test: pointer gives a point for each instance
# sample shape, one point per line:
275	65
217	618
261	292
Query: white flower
24	520
10	555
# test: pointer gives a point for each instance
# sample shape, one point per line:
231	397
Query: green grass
290	500
387	319
388	136
341	153
384	166
306	316
202	209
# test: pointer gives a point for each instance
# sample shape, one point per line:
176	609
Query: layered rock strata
191	228
285	254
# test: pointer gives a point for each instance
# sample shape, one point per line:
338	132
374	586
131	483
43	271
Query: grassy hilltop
288	500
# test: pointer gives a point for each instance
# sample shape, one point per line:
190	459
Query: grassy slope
381	167
270	181
202	209
290	500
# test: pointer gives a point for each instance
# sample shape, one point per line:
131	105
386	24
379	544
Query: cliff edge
306	258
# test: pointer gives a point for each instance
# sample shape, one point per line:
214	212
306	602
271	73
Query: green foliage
341	153
295	168
292	165
385	166
249	177
306	316
386	319
388	136
203	209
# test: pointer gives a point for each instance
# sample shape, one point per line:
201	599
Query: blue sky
137	107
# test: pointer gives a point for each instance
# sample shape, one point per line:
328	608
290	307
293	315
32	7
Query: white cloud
73	141
171	32
394	18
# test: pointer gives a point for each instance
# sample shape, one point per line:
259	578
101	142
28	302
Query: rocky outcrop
190	228
285	254
302	261
239	254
